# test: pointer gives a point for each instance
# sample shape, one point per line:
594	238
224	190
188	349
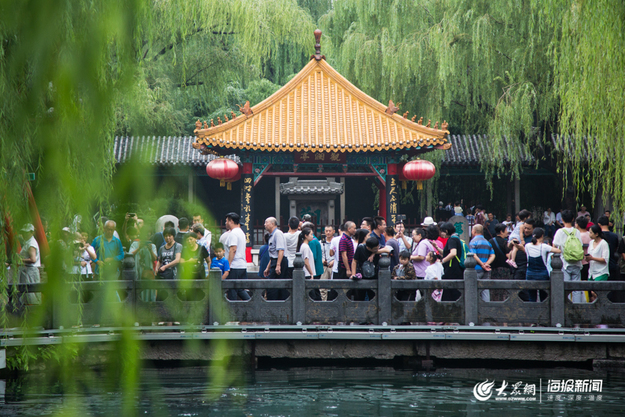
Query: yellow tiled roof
320	111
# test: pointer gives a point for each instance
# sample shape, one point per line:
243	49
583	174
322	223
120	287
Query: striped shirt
482	248
346	245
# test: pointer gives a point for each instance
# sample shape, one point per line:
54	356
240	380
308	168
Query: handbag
166	274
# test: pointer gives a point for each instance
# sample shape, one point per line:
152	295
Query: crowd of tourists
509	249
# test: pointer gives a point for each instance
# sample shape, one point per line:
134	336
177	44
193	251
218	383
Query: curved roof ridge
319	110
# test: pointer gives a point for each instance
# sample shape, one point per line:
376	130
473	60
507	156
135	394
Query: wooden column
509	201
382	200
277	210
342	202
517	196
392	195
429	204
191	191
247	205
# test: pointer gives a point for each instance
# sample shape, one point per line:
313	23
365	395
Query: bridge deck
19	337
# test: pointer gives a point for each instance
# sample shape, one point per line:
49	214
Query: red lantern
419	170
222	169
236	178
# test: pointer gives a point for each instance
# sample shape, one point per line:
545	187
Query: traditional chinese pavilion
315	129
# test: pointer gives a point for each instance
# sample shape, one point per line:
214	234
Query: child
405	270
220	262
516	235
434	271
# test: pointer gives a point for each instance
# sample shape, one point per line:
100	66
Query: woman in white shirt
307	255
598	255
30	263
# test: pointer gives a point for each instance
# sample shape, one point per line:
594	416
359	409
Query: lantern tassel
419	185
404	185
229	186
222	183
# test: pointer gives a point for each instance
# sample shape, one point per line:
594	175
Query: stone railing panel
106	303
427	310
607	308
514	310
183	301
342	308
258	309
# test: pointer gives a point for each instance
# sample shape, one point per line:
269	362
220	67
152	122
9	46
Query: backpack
368	269
463	255
572	251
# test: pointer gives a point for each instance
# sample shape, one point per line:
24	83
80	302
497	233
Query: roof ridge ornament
392	108
317	56
245	109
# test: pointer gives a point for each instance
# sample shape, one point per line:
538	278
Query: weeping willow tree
72	73
194	54
517	70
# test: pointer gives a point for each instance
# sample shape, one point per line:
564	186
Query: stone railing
129	301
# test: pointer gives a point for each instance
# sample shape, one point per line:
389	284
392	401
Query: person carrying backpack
454	254
569	240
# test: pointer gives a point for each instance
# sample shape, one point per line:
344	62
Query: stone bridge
166	315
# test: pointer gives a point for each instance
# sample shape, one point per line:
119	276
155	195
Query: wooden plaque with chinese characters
320	157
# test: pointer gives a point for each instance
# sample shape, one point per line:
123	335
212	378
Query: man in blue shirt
109	252
379	226
484	255
482	252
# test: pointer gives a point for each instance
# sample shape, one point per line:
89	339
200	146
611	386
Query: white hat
28	227
427	221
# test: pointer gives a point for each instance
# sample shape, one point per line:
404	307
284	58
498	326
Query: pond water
330	392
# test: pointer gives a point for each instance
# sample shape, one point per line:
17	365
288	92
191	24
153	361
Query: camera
132	214
400	218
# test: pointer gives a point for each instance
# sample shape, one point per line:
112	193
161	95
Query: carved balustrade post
557	291
384	290
471	296
216	310
299	290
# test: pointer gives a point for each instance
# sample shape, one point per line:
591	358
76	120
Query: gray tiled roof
321	186
466	150
564	144
161	150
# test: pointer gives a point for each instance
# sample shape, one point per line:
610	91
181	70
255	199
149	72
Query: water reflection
313	391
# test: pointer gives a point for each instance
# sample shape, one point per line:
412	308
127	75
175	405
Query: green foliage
72	74
25	357
517	70
193	54
75	73
588	58
234	96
